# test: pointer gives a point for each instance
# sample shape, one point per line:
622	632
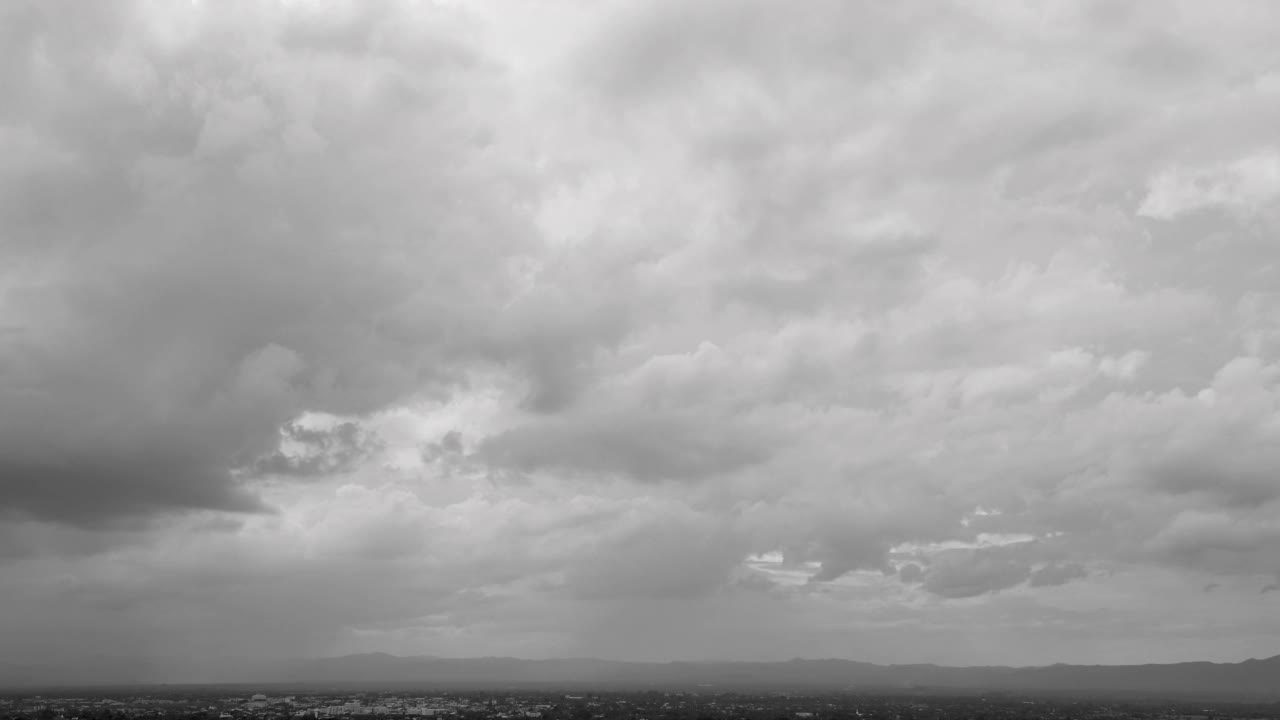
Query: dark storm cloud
97	490
204	239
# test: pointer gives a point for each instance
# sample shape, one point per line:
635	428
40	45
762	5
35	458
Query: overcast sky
728	329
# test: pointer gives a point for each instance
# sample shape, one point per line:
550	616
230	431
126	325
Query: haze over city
734	330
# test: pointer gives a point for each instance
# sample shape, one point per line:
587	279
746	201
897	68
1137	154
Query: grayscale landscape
639	359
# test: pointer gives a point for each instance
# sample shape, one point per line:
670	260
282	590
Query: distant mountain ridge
1251	679
1248	678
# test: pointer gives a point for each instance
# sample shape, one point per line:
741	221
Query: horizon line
587	658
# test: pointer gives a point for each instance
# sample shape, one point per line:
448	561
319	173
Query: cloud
667	559
311	451
211	240
1247	185
910	573
1053	575
1218	540
645	446
728	328
970	573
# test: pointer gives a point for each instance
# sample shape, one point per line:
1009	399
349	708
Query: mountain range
1251	679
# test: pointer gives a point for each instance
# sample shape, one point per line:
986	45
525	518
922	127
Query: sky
662	330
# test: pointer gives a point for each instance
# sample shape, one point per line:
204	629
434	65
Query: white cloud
1249	185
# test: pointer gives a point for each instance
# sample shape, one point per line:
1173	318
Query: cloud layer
641	330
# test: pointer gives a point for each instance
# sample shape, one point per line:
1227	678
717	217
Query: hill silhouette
1251	679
